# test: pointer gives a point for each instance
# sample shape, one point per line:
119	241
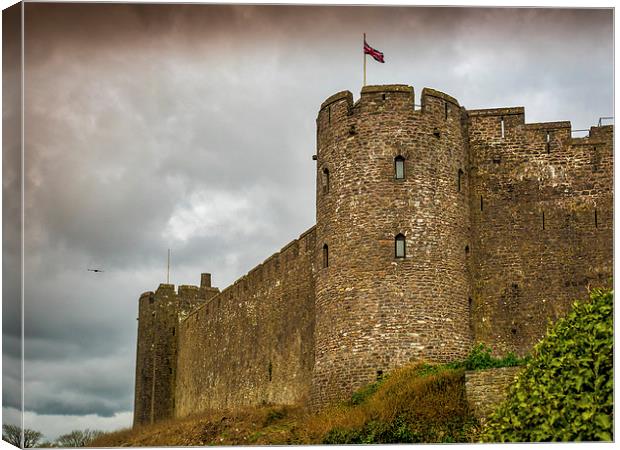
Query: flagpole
364	52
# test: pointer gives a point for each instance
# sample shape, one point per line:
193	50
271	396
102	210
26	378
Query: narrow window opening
481	204
595	160
503	128
548	137
460	176
270	370
470	301
595	218
543	220
383	96
379	375
514	331
445	111
399	168
436	133
173	331
325	256
325	180
170	368
467	249
400	246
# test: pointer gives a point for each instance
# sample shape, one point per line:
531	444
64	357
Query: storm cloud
192	127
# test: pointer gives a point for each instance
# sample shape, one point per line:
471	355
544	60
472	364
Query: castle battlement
436	228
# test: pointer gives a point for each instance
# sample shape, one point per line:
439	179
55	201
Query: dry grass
261	425
428	407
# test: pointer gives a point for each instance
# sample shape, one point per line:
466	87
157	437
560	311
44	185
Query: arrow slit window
325	180
400	246
399	168
325	256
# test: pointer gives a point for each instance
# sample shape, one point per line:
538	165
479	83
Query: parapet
388	97
205	280
186	290
428	92
146	295
548	125
342	95
165	289
340	120
386	92
603	132
387	88
516	110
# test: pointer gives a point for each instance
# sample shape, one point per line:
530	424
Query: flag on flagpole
376	54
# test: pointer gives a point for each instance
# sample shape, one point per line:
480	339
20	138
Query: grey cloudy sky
192	127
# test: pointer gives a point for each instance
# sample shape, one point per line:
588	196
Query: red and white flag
376	54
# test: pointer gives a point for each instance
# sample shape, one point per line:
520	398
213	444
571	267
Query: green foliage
480	358
565	392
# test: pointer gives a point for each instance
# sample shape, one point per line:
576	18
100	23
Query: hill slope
401	408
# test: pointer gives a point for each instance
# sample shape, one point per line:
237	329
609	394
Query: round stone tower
392	236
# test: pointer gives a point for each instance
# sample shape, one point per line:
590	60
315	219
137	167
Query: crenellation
436	228
388	99
428	92
186	289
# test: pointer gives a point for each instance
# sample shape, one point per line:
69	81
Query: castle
436	228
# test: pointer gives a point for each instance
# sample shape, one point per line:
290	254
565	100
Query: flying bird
94	270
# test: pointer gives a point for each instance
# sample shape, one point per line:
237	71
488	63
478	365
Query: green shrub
565	392
480	358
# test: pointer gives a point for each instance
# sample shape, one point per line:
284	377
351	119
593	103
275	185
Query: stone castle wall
253	343
505	224
541	207
487	389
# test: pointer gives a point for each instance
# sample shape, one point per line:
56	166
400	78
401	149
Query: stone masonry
436	228
486	389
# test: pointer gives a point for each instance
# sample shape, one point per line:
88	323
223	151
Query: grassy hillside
401	408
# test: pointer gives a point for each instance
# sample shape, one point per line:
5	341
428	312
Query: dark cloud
192	127
84	385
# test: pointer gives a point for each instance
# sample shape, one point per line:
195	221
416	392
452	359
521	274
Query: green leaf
565	391
603	420
604	436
